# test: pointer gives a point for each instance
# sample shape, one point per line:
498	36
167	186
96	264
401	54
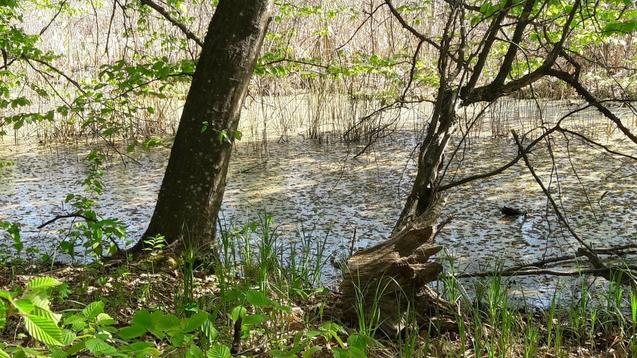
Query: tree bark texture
430	159
192	189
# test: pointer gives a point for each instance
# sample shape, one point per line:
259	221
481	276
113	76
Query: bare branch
508	165
46	27
595	143
486	47
59	72
509	57
66	216
579	88
410	28
189	34
595	261
85	218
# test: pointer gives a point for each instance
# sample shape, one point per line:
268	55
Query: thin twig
189	34
595	261
66	216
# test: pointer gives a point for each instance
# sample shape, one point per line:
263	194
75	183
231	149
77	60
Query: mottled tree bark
193	185
424	190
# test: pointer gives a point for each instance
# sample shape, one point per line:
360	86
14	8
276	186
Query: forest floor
306	322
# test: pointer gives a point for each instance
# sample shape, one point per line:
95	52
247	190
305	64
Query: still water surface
322	191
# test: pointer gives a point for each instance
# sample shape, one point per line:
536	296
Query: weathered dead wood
389	279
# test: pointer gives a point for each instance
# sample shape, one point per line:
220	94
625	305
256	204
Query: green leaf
165	322
43	329
357	352
6	295
75	349
93	309
254	319
40	283
3	315
332	327
218	351
622	27
258	299
141	349
131	332
309	353
238	312
151	142
194	352
210	331
358	341
68	337
76	321
104	319
143	319
98	347
341	353
45	313
4	354
24	306
195	321
58	353
283	354
313	334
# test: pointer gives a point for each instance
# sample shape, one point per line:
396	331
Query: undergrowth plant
97	235
266	302
90	330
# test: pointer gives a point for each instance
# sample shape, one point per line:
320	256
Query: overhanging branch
189	34
582	91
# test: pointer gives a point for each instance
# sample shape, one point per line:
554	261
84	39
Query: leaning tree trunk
194	182
388	279
430	159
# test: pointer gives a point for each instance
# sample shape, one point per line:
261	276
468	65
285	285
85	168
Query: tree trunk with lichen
193	185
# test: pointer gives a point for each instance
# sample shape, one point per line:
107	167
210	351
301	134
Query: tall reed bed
351	52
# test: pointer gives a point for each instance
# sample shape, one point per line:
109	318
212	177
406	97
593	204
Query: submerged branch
605	272
536	268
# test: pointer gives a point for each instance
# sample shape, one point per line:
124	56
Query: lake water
321	190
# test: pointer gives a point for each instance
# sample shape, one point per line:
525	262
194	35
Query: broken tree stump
389	279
